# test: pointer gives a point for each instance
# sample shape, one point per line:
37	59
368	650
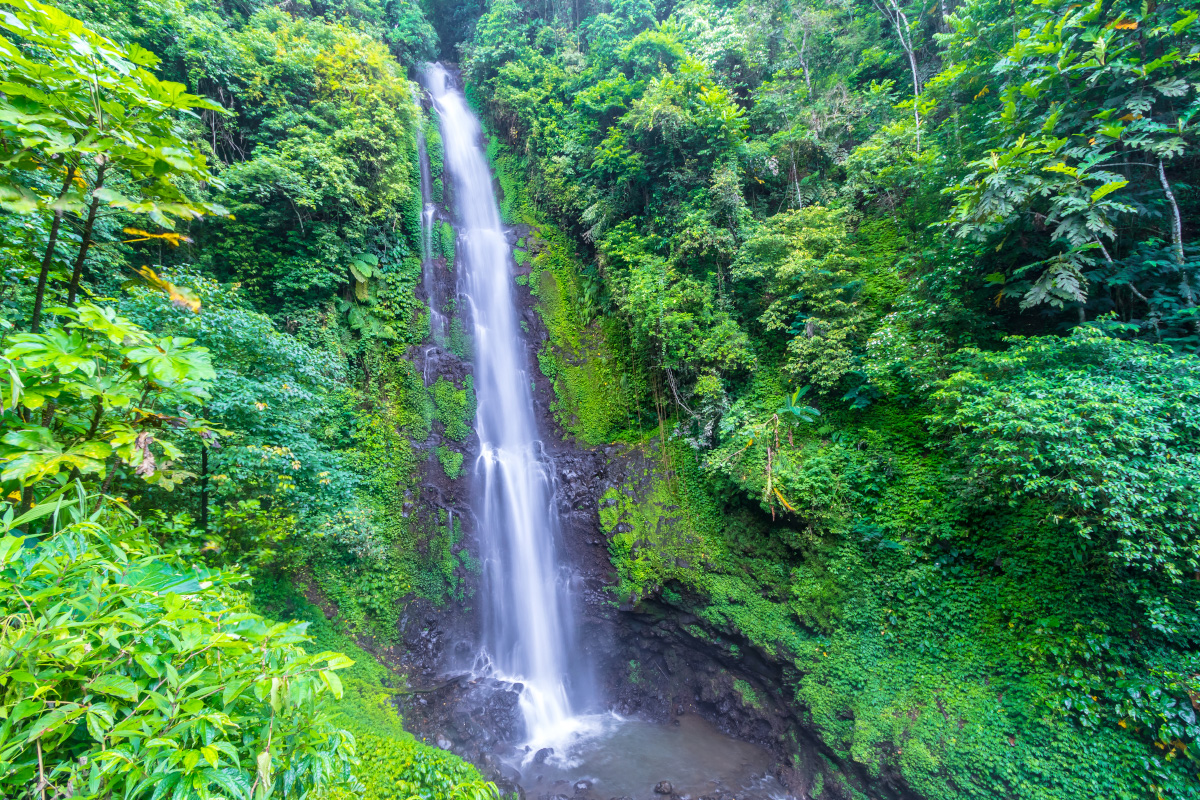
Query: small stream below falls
557	738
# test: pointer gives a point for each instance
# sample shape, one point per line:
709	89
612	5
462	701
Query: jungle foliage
210	239
897	300
900	301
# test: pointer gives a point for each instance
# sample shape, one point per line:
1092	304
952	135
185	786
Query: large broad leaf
38	455
107	321
173	360
56	349
116	685
157	576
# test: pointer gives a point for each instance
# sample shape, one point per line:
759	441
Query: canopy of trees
904	298
901	299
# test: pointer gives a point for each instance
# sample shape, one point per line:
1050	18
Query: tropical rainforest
900	299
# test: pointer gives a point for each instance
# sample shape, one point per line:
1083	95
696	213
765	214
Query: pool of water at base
607	756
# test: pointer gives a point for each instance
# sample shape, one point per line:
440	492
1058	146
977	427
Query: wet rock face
685	666
473	717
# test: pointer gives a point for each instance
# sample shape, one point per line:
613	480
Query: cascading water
437	321
528	628
528	623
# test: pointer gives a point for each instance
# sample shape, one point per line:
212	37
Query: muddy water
627	758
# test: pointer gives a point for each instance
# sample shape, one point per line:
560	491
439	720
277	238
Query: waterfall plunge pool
607	756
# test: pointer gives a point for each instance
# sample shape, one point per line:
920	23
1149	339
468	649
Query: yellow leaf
786	504
1126	25
180	297
170	237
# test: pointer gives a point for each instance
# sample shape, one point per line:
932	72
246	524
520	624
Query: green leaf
231	692
1108	189
117	685
231	780
334	683
10	547
53	721
1179	27
264	767
335	660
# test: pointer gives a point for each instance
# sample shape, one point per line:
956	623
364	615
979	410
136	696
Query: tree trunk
899	19
804	58
1185	285
35	321
86	242
204	487
1176	220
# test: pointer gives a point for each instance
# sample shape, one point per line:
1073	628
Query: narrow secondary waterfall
437	321
528	621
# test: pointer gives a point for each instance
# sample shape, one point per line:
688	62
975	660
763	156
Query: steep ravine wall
655	659
655	655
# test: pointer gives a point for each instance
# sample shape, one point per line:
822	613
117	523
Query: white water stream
528	634
437	321
528	630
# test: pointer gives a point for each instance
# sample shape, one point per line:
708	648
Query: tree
1101	432
75	101
1091	104
99	389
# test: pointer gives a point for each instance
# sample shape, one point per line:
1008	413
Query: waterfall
527	623
437	321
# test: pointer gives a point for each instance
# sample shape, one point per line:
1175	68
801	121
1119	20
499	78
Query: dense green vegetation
892	308
895	304
210	234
